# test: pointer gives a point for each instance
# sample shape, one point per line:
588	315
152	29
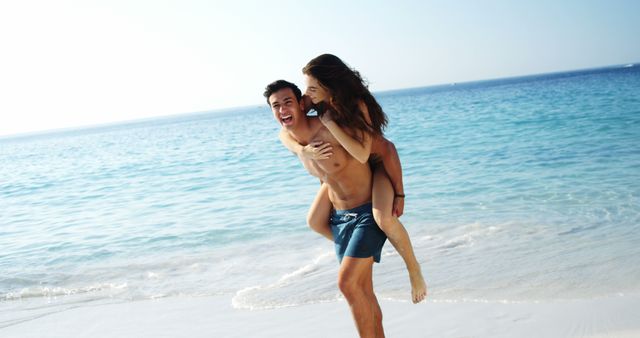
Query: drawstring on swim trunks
346	216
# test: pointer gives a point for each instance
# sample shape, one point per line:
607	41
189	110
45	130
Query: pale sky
67	63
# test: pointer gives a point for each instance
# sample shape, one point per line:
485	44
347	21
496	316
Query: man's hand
398	206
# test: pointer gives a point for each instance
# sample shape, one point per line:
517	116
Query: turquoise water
522	189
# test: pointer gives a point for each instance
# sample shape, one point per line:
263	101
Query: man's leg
354	280
376	306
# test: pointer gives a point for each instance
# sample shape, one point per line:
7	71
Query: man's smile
286	119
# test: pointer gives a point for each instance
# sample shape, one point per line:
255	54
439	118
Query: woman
353	116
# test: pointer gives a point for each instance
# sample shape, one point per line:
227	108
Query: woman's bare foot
418	286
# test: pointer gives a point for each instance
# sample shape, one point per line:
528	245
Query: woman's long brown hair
346	88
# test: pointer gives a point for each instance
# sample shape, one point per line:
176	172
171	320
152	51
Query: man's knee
348	285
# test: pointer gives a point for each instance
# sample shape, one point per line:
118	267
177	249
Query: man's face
316	92
285	107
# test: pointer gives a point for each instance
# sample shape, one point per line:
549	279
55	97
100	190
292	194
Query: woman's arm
360	151
314	150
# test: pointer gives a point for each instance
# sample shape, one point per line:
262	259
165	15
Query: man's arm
391	163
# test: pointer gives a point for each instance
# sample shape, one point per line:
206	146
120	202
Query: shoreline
214	316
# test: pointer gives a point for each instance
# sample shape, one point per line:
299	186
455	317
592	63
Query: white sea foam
305	270
471	233
53	291
291	289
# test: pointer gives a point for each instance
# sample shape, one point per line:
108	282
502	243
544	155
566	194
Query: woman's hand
398	206
317	150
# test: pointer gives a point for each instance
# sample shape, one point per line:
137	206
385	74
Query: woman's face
316	92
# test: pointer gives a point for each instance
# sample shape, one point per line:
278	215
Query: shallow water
517	189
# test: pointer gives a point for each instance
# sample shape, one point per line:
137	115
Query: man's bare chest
339	157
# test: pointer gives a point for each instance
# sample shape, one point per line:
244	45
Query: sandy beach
215	317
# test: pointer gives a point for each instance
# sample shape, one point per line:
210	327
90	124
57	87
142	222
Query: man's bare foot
418	287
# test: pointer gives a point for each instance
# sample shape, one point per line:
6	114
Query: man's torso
349	180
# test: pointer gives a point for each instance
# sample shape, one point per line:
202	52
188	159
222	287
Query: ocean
518	190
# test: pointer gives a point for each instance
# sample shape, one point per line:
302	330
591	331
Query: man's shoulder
314	122
315	125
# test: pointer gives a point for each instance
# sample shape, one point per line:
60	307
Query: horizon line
464	84
515	78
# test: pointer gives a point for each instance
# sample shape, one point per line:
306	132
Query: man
358	240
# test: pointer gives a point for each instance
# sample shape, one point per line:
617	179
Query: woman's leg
382	196
319	213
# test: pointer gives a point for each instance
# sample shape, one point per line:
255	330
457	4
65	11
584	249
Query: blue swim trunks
356	234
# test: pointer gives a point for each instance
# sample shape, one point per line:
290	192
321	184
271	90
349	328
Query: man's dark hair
281	84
